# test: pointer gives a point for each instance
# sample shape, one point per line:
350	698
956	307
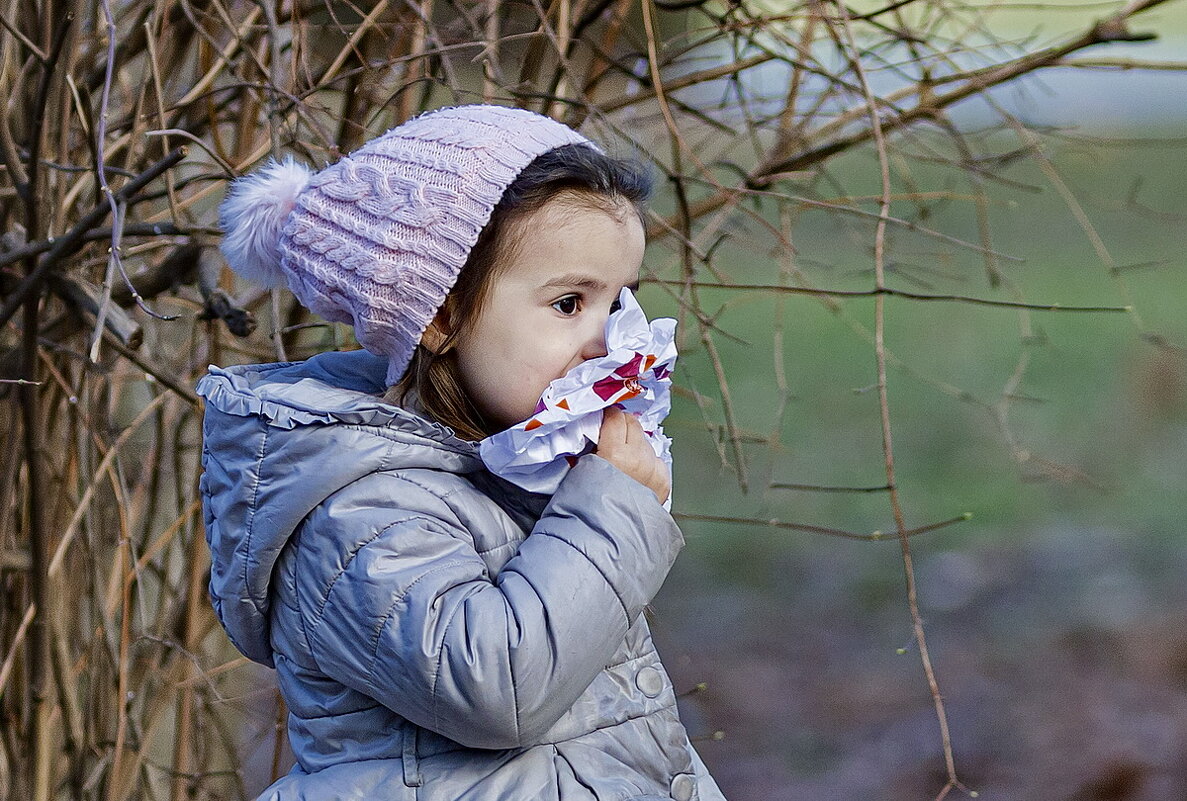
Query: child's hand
623	444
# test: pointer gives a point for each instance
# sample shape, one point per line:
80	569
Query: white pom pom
253	214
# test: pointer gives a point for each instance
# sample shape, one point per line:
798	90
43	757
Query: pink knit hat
377	240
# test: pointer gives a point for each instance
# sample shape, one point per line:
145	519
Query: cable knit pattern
377	240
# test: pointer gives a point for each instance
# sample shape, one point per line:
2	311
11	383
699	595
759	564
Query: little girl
438	633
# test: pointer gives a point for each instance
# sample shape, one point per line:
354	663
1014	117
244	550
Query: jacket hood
278	439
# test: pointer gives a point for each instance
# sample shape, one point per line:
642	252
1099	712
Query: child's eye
567	305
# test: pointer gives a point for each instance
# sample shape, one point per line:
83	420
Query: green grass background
1100	397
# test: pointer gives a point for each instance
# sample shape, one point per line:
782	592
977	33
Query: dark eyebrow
578	280
585	282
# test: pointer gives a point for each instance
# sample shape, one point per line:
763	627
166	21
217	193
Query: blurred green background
1056	614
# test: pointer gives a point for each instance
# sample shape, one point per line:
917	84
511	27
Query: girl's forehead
583	248
578	210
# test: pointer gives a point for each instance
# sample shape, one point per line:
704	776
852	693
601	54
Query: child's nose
595	344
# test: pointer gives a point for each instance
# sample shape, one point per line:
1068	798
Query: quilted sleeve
407	612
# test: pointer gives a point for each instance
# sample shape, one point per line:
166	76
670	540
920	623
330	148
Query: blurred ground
1063	663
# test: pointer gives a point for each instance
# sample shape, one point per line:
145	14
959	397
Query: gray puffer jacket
437	633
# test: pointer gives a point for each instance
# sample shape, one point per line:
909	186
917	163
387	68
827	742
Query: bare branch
891	292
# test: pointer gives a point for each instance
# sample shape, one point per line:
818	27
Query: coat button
649	681
683	786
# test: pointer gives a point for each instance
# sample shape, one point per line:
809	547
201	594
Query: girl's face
546	309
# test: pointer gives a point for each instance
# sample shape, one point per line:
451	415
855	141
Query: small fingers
623	443
629	424
614	425
634	429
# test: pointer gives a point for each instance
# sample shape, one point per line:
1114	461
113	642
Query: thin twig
69	242
14	646
117	209
874	536
132	230
884	410
39	743
891	292
826	488
836	137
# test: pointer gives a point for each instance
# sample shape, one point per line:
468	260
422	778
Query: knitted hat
377	240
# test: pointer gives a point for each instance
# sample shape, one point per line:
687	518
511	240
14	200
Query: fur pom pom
253	215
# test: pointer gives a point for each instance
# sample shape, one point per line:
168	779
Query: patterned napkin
635	375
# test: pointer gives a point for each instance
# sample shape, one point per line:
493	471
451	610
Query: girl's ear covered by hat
253	214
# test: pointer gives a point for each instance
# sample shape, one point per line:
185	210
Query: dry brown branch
831	139
845	33
874	536
67	244
889	292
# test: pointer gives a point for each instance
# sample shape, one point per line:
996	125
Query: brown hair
577	174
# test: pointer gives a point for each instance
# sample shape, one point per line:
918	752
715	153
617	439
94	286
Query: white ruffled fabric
635	375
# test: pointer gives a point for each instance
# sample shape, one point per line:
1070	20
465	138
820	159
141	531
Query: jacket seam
514	685
550	743
303	621
384	432
438	495
437	673
336	715
611	725
397	435
444	498
354	552
626	612
557	755
494	548
377	635
648	655
255	495
440	661
321	604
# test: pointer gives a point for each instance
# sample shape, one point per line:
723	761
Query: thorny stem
1076	209
884	407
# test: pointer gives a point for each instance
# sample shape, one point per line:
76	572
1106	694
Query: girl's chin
499	423
513	414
